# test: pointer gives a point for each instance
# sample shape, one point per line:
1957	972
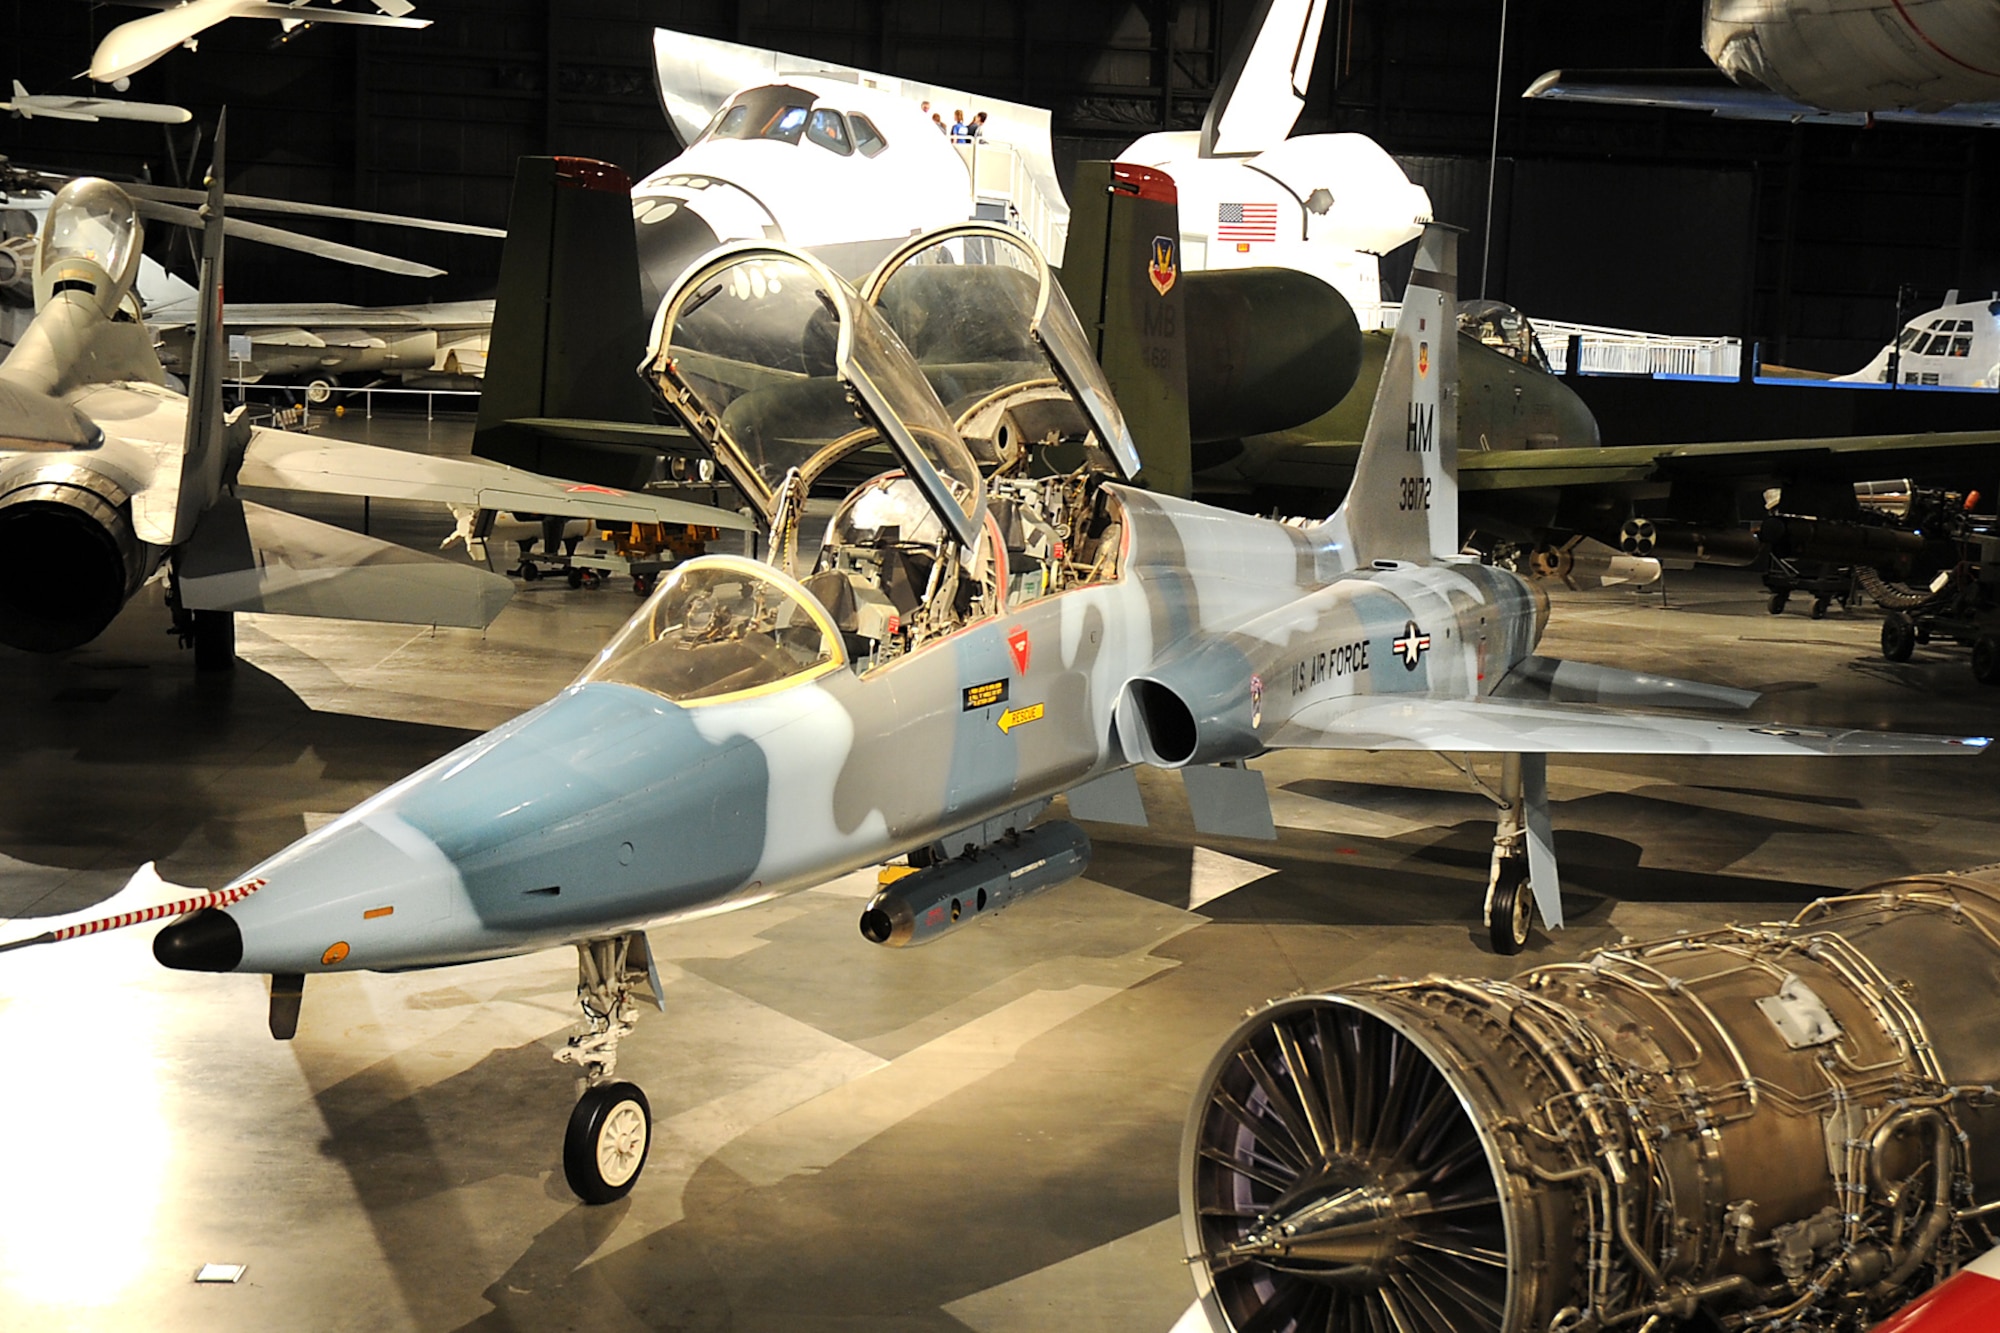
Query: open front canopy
978	307
783	370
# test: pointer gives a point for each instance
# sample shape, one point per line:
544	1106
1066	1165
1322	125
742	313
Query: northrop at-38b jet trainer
995	615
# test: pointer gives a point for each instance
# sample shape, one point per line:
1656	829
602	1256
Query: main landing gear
1522	876
604	1149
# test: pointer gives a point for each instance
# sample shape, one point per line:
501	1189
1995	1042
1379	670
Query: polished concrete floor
979	1134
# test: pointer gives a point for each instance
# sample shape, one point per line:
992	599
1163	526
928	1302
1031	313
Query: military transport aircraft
993	617
109	476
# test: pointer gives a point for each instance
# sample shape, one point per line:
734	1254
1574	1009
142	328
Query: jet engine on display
1758	1127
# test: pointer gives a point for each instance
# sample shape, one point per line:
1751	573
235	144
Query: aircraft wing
1852	457
286	314
1524	726
246	557
315	14
281	460
1708	89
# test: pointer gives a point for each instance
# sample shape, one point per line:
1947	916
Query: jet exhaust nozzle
921	906
69	558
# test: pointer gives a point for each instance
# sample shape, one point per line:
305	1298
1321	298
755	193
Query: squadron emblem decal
1166	264
1412	645
1423	358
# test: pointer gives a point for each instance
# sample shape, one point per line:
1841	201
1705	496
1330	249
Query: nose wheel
604	1148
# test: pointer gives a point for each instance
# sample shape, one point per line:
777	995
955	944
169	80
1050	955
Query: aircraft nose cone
208	941
667	245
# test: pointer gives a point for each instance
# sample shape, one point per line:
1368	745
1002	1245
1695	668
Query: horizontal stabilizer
283	461
1511	726
1551	680
246	557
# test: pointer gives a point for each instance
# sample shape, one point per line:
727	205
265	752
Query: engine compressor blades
1785	1125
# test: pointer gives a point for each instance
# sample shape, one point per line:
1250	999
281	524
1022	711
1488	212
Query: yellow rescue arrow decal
1014	717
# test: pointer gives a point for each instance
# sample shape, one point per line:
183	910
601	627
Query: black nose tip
208	941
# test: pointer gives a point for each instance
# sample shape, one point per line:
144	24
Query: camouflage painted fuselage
611	806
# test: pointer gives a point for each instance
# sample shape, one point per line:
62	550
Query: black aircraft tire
605	1147
1776	606
1899	638
1986	661
214	640
1510	913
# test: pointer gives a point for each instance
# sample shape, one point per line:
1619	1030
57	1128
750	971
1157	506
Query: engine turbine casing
1766	1124
69	558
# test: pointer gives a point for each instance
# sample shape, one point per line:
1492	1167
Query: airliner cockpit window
866	137
828	131
720	625
776	111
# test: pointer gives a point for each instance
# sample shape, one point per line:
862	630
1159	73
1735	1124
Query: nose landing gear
604	1148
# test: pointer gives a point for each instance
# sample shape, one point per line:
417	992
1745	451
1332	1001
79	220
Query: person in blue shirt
959	133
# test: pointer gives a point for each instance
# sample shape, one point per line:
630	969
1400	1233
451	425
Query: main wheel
1899	638
214	640
605	1148
1986	661
1776	606
1510	907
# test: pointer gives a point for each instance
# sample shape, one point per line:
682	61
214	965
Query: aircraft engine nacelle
1861	55
1778	1126
926	903
69	558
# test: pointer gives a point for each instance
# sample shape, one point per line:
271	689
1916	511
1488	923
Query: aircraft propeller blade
167	194
291	240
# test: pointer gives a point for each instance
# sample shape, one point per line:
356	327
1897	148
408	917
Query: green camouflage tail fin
1121	271
569	331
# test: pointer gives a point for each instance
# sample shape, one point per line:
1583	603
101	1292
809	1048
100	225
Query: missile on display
1766	1126
926	903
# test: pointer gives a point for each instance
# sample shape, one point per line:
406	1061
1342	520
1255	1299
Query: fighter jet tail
203	459
1403	504
568	328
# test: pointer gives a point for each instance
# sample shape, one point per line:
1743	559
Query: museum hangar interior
1273	802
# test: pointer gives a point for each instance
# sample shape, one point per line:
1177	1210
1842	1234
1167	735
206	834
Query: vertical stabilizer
203	459
1122	273
568	326
1403	504
1263	87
